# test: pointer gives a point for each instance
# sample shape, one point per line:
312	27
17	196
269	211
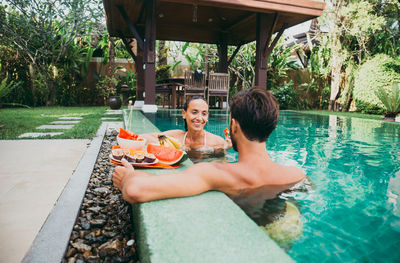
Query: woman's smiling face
196	115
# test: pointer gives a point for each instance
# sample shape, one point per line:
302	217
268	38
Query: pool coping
208	227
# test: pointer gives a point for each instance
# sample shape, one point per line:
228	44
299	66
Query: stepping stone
110	118
70	118
65	122
55	127
38	134
113	112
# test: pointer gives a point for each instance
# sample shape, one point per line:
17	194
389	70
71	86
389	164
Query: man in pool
254	115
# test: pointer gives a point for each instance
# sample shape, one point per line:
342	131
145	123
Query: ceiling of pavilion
208	20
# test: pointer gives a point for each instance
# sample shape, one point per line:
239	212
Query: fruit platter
164	155
137	158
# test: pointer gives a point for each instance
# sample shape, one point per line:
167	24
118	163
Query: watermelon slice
167	155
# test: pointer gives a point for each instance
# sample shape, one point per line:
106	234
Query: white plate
136	164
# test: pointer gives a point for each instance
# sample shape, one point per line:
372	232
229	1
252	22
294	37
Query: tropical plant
286	96
378	72
106	86
129	79
194	55
279	64
391	99
242	68
43	32
5	88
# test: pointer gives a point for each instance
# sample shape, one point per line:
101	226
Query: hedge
379	71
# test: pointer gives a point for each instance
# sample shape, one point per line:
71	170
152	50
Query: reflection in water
363	130
393	201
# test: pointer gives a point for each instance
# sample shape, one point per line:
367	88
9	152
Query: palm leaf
390	100
5	88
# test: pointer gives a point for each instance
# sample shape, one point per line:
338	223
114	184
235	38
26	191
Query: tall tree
42	32
350	25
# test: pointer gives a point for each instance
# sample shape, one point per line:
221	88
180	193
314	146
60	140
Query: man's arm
138	186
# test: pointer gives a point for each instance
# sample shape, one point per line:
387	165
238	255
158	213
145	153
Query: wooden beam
129	48
240	22
234	53
306	7
268	51
304	63
271	32
131	27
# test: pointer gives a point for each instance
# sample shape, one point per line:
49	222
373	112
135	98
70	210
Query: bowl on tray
138	144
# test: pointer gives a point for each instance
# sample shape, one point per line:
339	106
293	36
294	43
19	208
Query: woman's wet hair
257	112
186	105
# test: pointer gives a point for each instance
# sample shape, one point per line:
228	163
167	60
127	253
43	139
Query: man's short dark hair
257	112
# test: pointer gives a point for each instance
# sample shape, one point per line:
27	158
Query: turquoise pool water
353	214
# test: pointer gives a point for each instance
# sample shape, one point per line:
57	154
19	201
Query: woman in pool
194	138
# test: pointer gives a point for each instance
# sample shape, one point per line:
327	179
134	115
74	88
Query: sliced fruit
165	142
166	155
226	131
175	142
125	134
117	154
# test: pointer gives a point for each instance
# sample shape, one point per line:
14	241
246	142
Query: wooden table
176	85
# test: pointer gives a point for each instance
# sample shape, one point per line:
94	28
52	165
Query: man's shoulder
294	174
213	170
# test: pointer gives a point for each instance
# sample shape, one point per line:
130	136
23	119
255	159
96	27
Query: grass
344	114
17	121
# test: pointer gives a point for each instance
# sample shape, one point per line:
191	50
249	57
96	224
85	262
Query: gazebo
221	22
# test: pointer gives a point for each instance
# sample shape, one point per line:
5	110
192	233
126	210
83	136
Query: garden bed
103	231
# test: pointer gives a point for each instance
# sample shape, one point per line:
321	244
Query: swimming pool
353	214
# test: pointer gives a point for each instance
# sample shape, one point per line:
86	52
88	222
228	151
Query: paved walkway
33	174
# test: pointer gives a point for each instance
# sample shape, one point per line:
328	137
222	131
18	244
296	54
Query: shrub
286	96
379	72
391	100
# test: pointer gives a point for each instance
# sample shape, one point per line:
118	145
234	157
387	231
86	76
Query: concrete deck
33	174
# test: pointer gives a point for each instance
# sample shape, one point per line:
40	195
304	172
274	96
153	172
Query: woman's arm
218	142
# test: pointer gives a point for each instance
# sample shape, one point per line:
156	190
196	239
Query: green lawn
17	121
345	114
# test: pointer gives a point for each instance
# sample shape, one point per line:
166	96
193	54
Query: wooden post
261	43
223	55
139	75
149	53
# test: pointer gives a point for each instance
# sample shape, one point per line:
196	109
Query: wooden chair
218	86
194	86
166	93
